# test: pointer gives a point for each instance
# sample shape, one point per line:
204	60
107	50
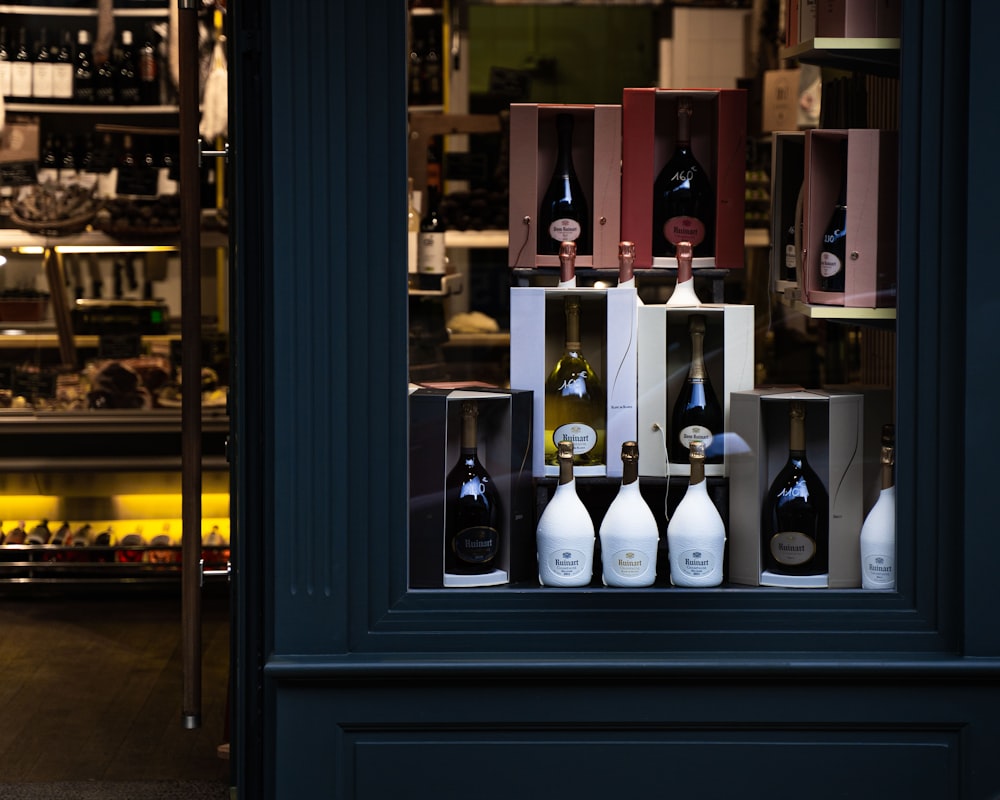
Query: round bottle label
475	545
565	230
629	563
829	264
695	563
566	563
695	433
792	548
583	437
878	568
684	229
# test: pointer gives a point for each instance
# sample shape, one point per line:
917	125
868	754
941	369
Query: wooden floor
91	687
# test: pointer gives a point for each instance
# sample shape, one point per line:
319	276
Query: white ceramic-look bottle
684	295
629	536
696	535
565	534
878	533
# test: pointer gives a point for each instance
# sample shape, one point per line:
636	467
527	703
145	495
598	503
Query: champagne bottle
697	415
626	264
5	64
62	70
21	69
565	533
431	72
878	533
574	398
126	73
696	534
795	524
431	256
472	507
684	294
563	215
683	198
628	534
790	265
833	253
83	69
41	69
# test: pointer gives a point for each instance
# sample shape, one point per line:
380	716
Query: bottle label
565	230
684	229
792	548
695	563
629	563
583	437
879	568
566	563
695	433
431	254
829	264
42	80
790	260
475	545
62	81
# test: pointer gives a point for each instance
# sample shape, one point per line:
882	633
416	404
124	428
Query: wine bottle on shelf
472	507
126	74
41	69
149	70
5	64
432	261
104	82
48	162
412	230
696	534
574	399
795	524
833	253
684	294
430	78
697	415
565	533
21	69
683	197
626	265
628	534
416	72
563	214
62	70
878	533
83	69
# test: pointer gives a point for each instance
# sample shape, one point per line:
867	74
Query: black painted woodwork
349	685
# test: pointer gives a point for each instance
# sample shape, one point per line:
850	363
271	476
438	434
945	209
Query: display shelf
845	313
875	55
76	11
49	564
103	111
484	240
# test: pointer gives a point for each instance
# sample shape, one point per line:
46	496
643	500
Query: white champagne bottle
878	533
565	534
626	265
684	295
629	536
696	535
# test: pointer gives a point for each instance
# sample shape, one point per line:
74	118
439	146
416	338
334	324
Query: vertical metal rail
190	193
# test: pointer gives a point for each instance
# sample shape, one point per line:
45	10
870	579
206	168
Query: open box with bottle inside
834	425
596	157
663	361
503	445
608	322
717	126
871	175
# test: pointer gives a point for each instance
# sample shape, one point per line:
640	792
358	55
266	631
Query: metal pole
190	195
